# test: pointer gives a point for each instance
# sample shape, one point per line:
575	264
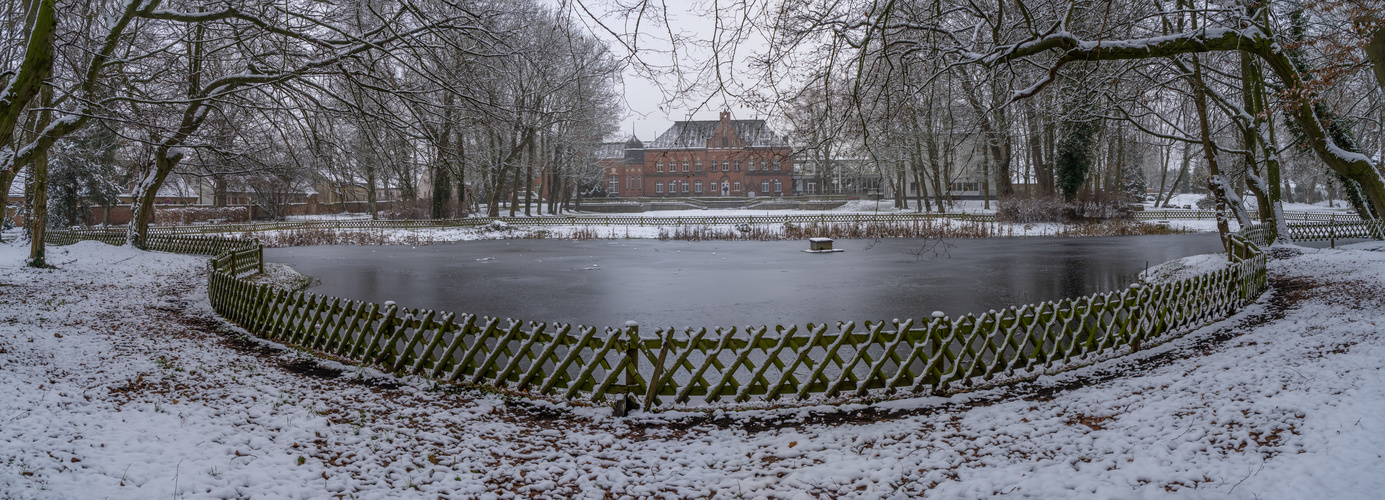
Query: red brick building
706	158
624	166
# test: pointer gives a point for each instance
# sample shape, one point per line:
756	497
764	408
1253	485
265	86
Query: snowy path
113	384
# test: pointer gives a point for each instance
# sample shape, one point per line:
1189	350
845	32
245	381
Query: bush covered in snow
1036	209
189	215
326	236
408	210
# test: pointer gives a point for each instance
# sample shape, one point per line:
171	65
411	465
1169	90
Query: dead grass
928	228
326	236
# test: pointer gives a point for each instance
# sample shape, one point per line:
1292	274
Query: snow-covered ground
883	206
851	206
1190	200
502	231
117	382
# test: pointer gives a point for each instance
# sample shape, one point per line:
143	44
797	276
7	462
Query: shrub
408	210
1036	209
189	215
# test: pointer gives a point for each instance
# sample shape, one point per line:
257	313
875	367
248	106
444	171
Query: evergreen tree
1133	185
81	175
1075	155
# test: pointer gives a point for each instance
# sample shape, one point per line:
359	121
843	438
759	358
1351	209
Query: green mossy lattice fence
667	367
701	365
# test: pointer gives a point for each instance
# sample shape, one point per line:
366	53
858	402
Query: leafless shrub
408	210
928	229
838	230
1117	227
189	215
327	236
584	233
1036	209
1030	209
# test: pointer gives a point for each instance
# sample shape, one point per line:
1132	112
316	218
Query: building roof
694	135
610	150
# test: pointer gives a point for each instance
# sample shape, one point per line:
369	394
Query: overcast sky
649	111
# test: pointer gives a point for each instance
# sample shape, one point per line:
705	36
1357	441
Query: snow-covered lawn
453	234
117	382
1191	199
851	206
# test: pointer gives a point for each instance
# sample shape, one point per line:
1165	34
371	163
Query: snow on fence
1338	229
672	367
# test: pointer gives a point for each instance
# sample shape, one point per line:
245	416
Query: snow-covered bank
114	383
765	231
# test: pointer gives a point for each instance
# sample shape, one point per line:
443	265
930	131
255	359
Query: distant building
704	158
848	176
622	161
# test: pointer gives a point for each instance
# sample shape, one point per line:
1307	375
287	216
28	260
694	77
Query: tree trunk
370	190
1214	182
986	178
1266	192
1375	51
1165	155
461	175
38	189
442	182
32	71
529	180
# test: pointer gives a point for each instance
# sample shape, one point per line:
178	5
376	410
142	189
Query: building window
764	186
685	167
632	182
966	186
659	187
725	166
737	166
736	186
778	186
613	185
659	166
697	187
685	186
764	166
776	166
751	166
699	166
813	186
725	143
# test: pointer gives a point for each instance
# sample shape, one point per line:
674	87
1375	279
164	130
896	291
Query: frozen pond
726	283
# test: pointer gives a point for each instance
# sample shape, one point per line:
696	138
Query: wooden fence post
1332	230
656	380
1133	310
631	362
